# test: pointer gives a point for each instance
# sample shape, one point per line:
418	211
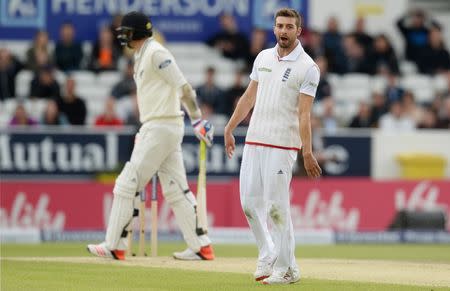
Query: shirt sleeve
165	66
311	81
254	73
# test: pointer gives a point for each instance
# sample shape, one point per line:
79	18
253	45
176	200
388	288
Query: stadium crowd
391	106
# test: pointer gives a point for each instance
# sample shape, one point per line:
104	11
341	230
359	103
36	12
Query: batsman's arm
244	105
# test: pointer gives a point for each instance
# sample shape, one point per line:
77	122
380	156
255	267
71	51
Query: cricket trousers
157	149
265	177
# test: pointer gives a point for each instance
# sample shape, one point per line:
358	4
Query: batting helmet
135	26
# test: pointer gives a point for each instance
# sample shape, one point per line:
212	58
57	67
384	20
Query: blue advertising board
347	155
177	20
83	153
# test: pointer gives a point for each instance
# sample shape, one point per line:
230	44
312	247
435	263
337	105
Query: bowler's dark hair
289	12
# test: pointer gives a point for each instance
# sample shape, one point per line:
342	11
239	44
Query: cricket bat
202	222
154	210
141	250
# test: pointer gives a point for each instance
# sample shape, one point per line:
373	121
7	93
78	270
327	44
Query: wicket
142	225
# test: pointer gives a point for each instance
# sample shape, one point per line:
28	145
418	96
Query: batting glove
204	130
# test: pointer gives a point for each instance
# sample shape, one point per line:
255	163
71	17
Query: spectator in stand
44	84
109	117
444	117
68	52
329	120
324	87
378	108
410	107
436	58
230	41
21	117
126	86
362	37
209	93
226	105
9	68
396	121
52	116
355	57
332	42
383	56
258	42
38	54
133	117
71	105
104	54
115	23
429	119
363	119
314	46
415	29
393	91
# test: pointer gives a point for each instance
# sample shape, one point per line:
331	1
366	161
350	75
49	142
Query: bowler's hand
229	142
311	166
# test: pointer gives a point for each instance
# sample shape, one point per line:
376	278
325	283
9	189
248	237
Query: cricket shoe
206	253
102	251
263	269
283	278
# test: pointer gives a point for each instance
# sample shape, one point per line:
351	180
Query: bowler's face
286	31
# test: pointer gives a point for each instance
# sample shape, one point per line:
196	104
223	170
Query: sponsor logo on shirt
312	84
165	64
264	69
286	75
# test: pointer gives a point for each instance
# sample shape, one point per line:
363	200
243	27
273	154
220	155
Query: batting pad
183	207
122	207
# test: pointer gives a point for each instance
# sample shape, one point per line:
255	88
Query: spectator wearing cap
68	52
44	84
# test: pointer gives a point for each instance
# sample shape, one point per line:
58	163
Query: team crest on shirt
286	75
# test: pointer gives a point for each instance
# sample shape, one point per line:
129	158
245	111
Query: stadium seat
35	107
84	78
93	92
7	110
420	85
440	84
108	79
378	84
23	82
407	68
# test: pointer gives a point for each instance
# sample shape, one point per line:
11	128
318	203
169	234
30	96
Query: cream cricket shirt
158	80
274	121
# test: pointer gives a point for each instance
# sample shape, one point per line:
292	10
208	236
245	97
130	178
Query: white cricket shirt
158	80
275	119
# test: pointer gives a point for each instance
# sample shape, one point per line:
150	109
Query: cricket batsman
161	88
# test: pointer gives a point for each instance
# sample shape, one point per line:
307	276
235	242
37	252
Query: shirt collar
293	56
138	55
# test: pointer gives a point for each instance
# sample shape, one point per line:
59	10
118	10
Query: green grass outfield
34	274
